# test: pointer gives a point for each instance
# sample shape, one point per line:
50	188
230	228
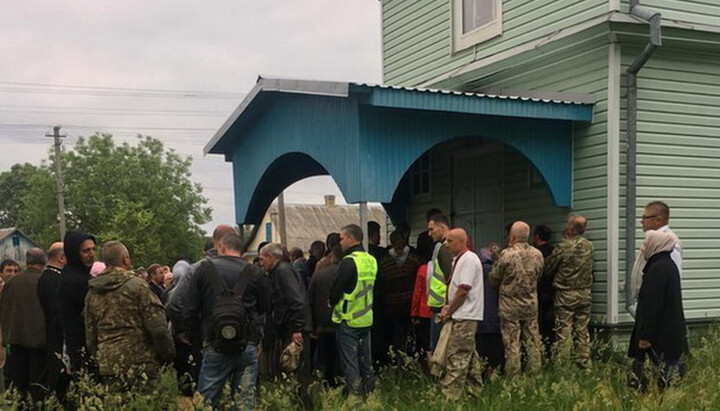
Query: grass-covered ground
406	387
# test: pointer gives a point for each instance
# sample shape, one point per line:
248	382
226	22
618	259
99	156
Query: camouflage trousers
572	316
463	368
525	332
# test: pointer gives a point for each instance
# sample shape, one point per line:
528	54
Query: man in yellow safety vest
438	273
351	299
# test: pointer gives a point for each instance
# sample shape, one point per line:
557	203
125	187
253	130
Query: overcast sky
122	67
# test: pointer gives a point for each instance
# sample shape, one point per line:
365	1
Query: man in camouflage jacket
516	271
125	323
571	266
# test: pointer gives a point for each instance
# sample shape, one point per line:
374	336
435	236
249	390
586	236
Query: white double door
478	195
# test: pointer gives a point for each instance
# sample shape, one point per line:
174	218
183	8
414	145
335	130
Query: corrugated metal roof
475	94
548	106
306	223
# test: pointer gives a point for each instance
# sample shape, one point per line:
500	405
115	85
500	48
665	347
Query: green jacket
571	264
125	324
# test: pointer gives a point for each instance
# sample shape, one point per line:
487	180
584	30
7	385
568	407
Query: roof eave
322	88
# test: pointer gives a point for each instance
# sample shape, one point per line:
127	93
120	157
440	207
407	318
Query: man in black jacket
240	368
56	379
80	254
290	315
188	352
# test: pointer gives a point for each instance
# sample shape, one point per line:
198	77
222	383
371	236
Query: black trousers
490	348
25	369
55	378
326	359
187	365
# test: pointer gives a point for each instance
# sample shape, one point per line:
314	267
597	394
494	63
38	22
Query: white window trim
490	30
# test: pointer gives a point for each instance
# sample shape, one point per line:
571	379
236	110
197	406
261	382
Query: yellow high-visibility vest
355	308
438	288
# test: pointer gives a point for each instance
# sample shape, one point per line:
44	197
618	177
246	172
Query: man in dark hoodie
80	254
126	325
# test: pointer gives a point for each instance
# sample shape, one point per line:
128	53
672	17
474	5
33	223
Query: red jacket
419	306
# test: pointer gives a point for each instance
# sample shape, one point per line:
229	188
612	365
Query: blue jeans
354	348
240	368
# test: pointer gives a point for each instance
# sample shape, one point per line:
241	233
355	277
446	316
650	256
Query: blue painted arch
367	145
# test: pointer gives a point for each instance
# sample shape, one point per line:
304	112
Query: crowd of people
337	315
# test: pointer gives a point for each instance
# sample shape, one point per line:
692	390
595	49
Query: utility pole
281	217
59	178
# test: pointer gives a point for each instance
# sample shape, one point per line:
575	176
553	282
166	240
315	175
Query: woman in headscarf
659	332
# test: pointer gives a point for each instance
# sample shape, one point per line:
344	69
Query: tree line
139	193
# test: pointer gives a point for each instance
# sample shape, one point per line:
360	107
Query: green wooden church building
499	110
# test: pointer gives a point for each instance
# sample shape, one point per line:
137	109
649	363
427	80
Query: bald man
571	267
464	309
516	272
125	323
47	291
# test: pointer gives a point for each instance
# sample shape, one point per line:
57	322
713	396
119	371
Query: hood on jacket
110	281
71	246
179	270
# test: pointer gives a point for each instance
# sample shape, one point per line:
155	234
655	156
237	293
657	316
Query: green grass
406	387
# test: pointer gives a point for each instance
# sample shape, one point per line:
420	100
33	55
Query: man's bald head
221	231
115	254
519	232
576	225
456	240
56	255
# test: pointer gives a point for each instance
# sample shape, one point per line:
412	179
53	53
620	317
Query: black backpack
228	319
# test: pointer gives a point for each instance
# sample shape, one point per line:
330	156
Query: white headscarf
657	242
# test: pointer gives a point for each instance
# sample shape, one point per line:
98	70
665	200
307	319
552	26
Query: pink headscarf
97	268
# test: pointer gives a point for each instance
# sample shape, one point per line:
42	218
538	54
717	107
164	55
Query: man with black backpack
226	305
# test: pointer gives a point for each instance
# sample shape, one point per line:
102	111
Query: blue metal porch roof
367	136
551	108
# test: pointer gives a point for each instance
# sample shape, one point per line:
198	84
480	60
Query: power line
134	94
85	127
122	89
112	109
109	113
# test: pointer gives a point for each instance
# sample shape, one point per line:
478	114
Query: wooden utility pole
281	217
59	179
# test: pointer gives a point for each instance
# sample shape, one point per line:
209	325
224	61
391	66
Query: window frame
462	41
418	170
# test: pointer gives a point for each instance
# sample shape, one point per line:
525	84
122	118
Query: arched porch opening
481	184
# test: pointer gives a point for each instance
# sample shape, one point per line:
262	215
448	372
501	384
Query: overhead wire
71	89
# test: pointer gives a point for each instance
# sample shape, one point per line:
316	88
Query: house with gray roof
14	244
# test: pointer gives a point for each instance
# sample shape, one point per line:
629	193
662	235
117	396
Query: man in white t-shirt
463	309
